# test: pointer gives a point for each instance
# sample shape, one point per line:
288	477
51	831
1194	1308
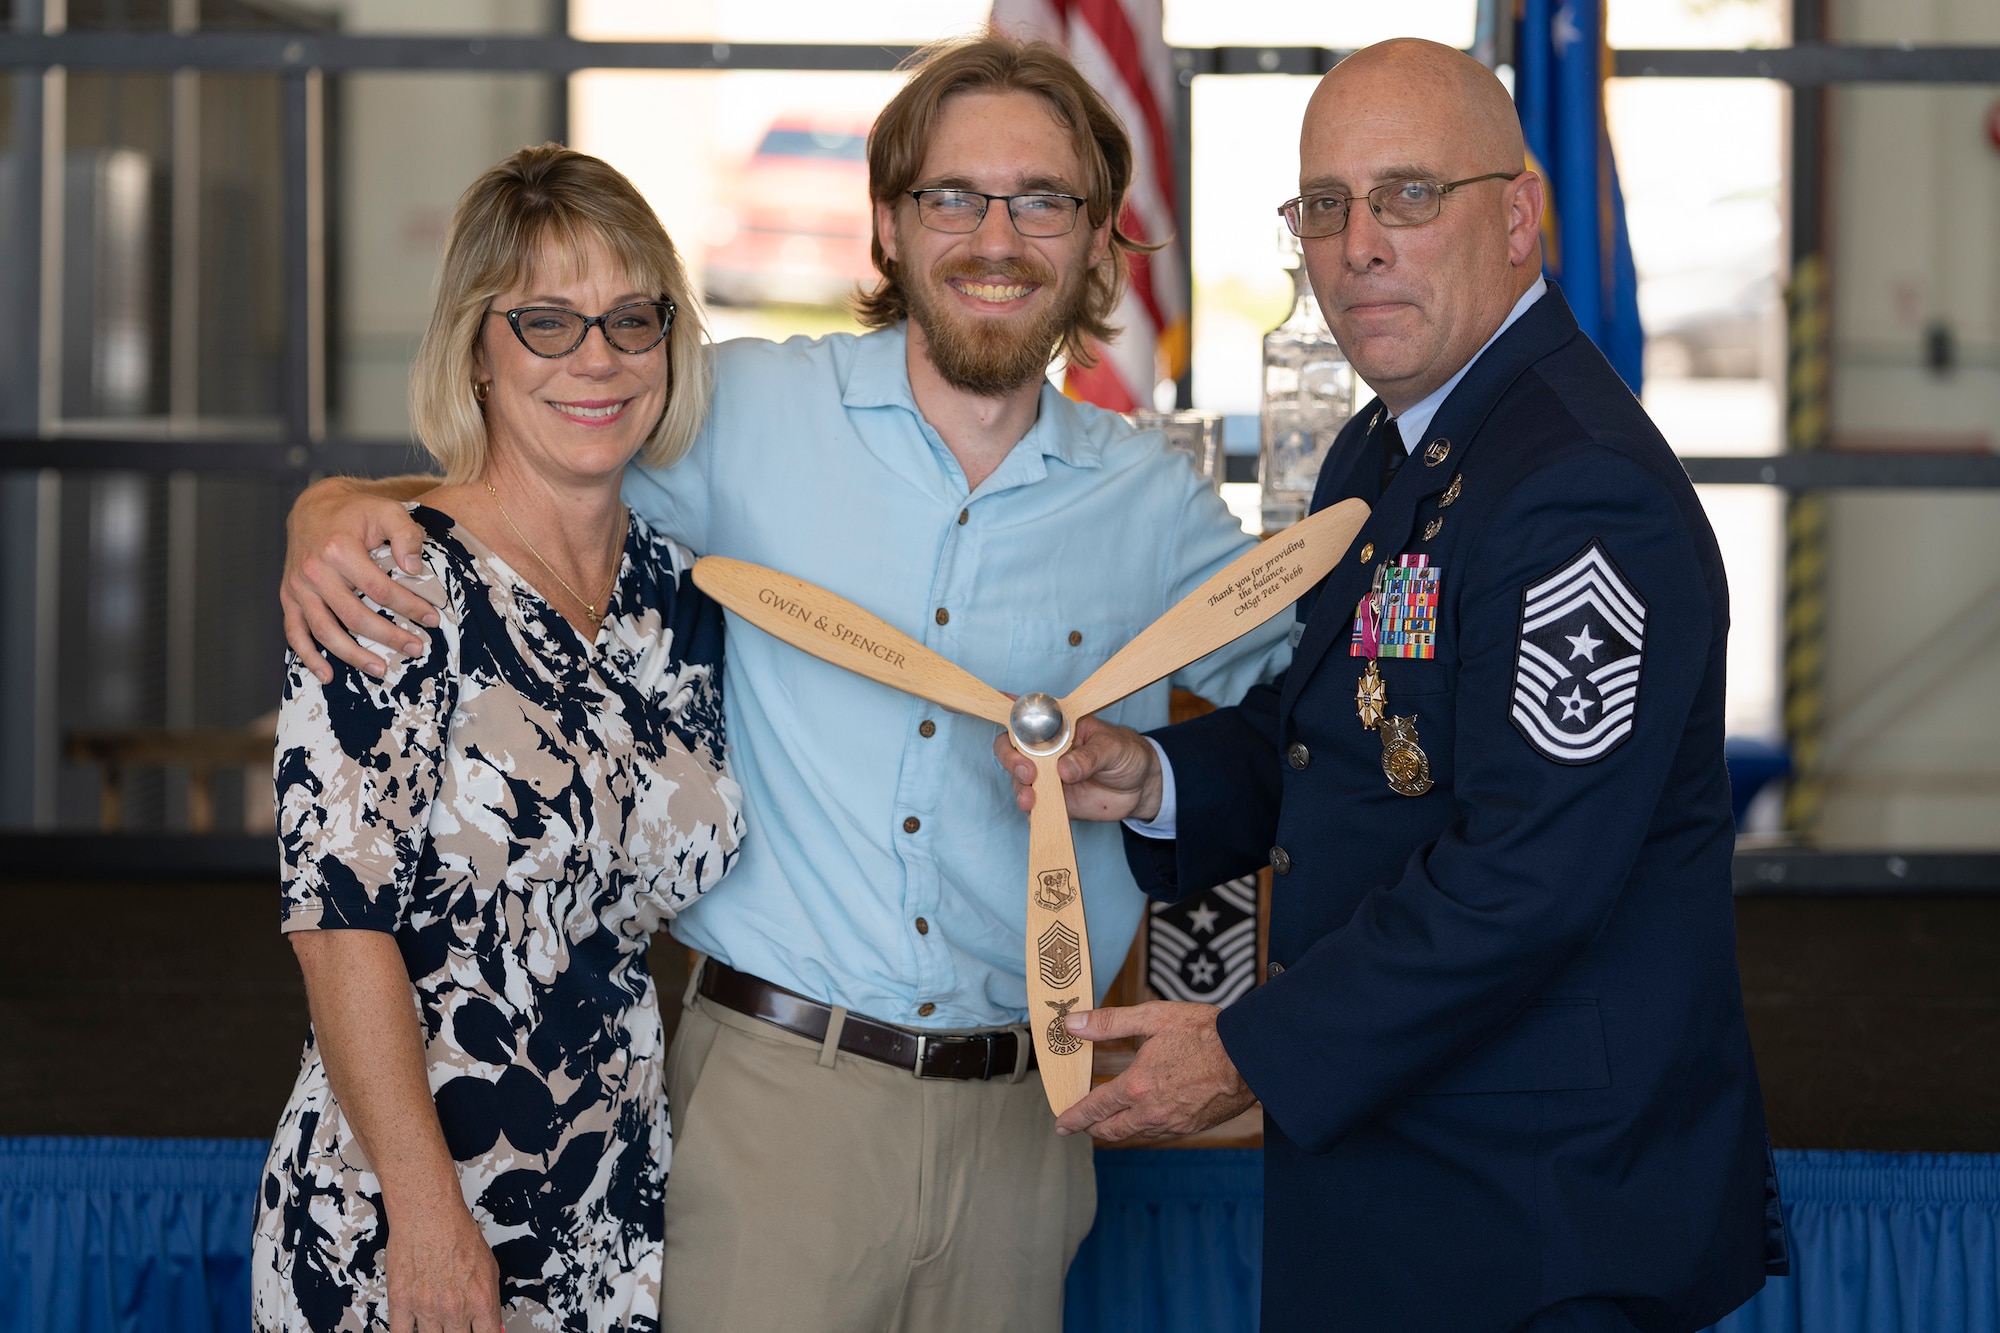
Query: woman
477	846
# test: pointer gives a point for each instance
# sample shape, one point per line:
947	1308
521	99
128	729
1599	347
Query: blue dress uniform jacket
1502	1055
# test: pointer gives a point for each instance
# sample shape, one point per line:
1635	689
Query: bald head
1411	305
1431	87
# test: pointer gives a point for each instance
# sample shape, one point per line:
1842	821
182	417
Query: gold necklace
589	607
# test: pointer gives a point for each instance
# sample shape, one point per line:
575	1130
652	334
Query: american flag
1121	48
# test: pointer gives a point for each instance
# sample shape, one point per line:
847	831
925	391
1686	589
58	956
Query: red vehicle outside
794	226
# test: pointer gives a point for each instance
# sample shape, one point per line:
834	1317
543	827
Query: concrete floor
175	1009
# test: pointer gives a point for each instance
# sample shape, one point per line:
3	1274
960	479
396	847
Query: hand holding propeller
1235	599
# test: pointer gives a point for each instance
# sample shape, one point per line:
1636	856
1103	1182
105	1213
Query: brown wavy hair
995	62
556	196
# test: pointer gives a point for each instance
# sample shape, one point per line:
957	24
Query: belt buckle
926	1044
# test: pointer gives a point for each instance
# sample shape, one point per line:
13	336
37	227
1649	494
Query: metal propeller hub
1037	724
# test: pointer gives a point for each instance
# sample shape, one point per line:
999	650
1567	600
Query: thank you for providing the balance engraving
1280	568
794	609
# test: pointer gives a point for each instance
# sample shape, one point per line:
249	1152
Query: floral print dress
521	811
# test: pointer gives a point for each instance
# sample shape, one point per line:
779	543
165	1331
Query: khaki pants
815	1191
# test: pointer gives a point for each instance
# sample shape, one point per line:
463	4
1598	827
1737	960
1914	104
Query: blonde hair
995	62
547	196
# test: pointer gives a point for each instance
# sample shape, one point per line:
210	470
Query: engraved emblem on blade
1404	762
1061	1040
1061	955
1054	889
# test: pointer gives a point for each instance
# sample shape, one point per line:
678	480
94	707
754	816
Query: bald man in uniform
1502	1057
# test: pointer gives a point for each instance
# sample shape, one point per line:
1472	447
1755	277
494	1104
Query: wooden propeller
1236	599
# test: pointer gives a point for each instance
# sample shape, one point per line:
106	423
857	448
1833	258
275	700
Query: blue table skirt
152	1235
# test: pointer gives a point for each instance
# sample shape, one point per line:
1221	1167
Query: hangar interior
219	223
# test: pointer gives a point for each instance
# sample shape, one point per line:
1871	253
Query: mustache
1005	270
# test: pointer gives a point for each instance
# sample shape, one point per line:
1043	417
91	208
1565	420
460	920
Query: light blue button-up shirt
815	461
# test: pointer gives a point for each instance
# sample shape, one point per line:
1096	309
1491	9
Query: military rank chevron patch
1576	669
1204	947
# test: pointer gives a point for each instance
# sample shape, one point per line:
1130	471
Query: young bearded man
930	473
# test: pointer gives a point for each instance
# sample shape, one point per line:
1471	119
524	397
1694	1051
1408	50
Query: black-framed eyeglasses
1398	203
1039	215
551	331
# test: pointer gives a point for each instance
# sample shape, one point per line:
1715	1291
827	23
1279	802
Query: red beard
994	357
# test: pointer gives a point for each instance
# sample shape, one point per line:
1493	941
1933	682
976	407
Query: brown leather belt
927	1055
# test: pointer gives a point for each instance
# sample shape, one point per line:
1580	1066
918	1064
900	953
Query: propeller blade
1237	598
836	630
1059	980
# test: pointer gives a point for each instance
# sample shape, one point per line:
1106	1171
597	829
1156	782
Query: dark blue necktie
1393	452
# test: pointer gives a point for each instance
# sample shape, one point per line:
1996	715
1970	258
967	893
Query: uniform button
912	824
927	728
1275	968
943	616
923	926
963	514
1368	553
1281	860
926	1009
1297	755
1075	637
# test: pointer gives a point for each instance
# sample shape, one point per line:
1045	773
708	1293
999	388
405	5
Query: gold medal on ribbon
1371	697
1404	762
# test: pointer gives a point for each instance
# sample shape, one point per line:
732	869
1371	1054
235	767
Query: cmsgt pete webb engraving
1277	569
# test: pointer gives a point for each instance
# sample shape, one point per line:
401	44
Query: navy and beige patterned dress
521	812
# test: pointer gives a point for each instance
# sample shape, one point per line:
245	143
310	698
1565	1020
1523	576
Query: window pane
896	21
114	246
1701	162
1290	23
763	185
239	328
391	197
1245	163
1722	24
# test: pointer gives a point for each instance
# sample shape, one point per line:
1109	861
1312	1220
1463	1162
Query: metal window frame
304	59
303	449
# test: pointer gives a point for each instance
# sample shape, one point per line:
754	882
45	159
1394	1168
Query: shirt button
943	616
927	728
923	926
1275	968
1281	860
912	824
926	1009
1075	637
1297	755
963	514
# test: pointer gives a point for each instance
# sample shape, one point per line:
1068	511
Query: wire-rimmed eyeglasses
1039	215
1397	203
551	331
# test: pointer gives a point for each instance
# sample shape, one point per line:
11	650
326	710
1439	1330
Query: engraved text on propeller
1271	574
833	629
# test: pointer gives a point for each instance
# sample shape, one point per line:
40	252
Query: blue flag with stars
1561	61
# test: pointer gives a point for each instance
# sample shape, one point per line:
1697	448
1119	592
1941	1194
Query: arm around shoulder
329	534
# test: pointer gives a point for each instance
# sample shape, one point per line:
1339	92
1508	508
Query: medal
1404	762
1371	697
